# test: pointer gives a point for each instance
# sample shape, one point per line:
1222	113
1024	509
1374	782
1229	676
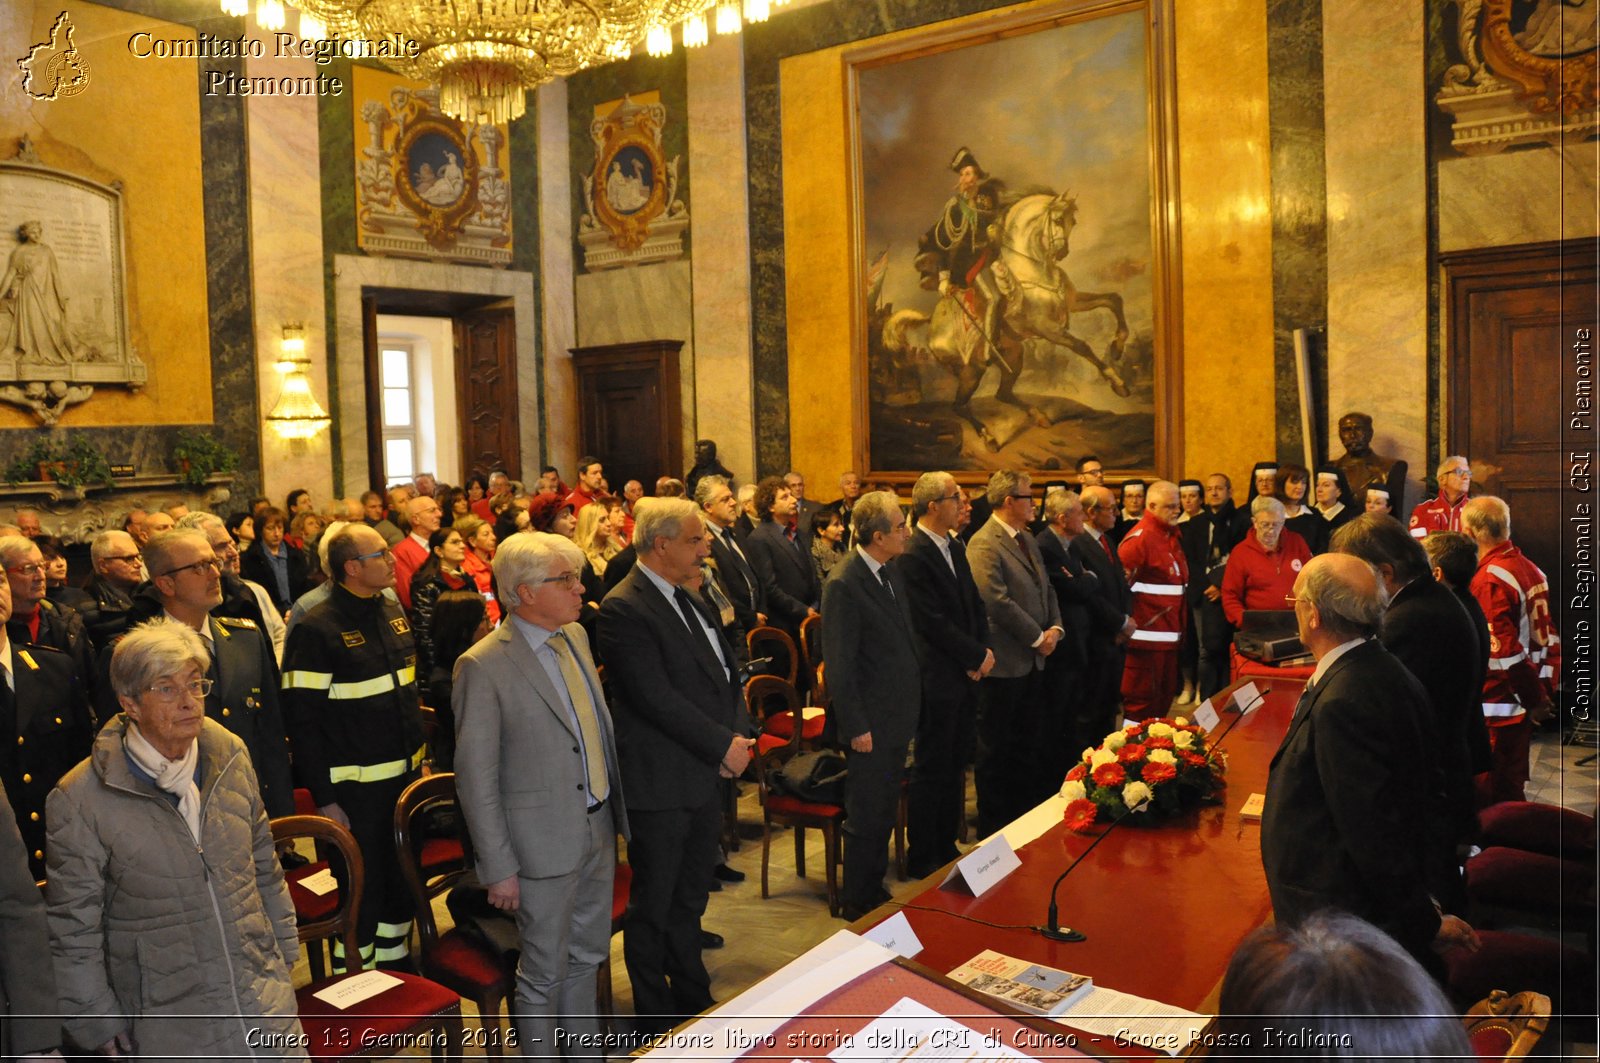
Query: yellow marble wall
1225	359
138	122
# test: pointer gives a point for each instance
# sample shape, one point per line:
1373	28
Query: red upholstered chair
417	1011
782	811
1502	1026
455	959
1538	828
1546	888
621	887
310	907
775	643
773	702
1561	972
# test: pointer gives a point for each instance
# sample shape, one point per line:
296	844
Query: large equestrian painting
1012	260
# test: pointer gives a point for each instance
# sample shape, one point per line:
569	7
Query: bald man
1353	791
1152	556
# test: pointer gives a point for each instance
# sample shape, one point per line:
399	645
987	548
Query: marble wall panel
558	392
1521	196
720	258
1377	224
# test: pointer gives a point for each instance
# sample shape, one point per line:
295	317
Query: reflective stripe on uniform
1501	708
1501	664
394	930
1155	636
1419	533
396	952
367	688
391	769
307	680
1170	589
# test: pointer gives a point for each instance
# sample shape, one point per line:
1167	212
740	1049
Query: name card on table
1206	716
985	866
896	935
1248	698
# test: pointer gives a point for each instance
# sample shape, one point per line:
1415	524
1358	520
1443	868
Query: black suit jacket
948	618
1112	603
1432	635
1349	800
789	577
244	699
737	578
254	565
1077	590
56	730
61	628
873	673
675	707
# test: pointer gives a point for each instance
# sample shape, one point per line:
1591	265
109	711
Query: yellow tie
588	718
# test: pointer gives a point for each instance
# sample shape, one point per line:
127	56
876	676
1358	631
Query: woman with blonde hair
594	536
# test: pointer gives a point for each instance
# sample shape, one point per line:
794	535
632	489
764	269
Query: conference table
1163	903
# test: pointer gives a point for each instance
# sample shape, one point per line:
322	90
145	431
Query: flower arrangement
1164	765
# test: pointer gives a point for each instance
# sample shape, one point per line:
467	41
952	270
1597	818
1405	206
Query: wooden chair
1502	1026
775	643
621	889
774	703
310	907
456	959
417	1011
782	811
811	643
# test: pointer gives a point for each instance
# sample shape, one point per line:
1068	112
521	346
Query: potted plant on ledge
201	456
71	461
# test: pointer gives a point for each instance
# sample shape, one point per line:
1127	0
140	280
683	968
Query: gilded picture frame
436	176
1016	289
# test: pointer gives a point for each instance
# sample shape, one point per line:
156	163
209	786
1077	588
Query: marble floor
762	935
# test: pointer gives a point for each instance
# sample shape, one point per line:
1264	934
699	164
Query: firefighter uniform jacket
350	693
1152	554
1436	514
1524	649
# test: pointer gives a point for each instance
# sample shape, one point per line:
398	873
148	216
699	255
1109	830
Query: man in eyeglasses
118	570
350	702
186	579
45	725
39	622
1443	511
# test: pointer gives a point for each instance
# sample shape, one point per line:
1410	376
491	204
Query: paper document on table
356	988
911	1031
1163	1027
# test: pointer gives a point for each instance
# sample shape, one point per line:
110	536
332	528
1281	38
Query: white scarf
173	776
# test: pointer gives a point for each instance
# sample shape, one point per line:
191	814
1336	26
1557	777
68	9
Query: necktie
883	578
727	537
1112	554
1300	703
1022	544
588	717
691	617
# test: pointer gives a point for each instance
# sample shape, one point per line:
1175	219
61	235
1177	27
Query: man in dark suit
873	680
735	575
1208	538
1024	628
786	571
117	572
1110	611
806	509
36	620
1346	823
951	630
680	727
1432	635
1078	723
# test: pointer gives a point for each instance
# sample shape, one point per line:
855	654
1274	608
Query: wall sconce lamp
297	414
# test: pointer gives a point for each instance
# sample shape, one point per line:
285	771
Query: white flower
1088	753
1135	794
1116	740
1161	756
1180	721
1073	790
1159	730
1183	739
1102	756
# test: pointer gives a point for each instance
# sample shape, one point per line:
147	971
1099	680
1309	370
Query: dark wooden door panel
629	410
486	391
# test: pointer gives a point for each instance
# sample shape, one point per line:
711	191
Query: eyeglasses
171	692
1027	497
130	558
385	552
28	568
950	498
569	581
1458	472
209	565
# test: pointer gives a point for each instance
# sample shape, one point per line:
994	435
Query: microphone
1055	931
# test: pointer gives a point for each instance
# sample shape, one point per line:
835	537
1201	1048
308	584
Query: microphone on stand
1054	930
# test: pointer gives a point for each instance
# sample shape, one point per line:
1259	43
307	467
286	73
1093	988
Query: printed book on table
1031	987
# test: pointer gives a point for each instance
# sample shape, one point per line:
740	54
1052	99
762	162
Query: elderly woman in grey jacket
170	924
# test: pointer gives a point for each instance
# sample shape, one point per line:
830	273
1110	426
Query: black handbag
816	776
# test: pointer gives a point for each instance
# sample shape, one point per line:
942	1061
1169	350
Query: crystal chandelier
485	54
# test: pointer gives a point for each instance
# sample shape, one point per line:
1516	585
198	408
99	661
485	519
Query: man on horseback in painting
958	251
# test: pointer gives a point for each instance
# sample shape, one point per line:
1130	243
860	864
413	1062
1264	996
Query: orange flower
1079	814
1156	772
1130	753
1077	773
1159	743
1110	775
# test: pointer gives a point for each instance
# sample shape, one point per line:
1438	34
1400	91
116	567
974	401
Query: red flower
1156	772
1193	760
1158	743
1079	814
1130	753
1110	775
1077	773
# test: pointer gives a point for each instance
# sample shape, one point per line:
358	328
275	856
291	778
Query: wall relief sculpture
63	311
632	213
428	186
1527	75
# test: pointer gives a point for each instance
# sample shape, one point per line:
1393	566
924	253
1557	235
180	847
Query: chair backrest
341	922
811	642
430	725
775	643
819	691
1503	1026
427	794
767	695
